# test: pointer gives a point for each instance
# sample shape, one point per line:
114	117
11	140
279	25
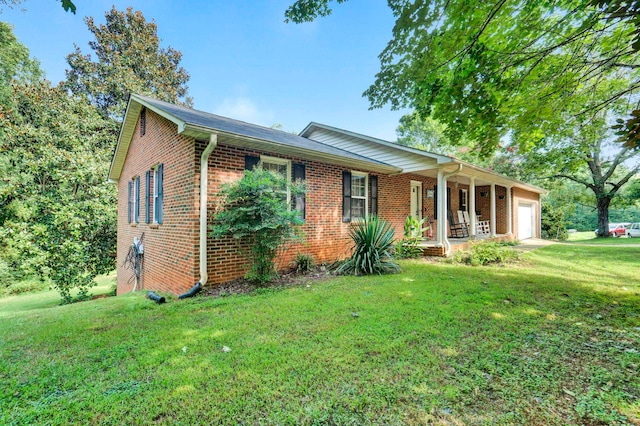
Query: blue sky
244	61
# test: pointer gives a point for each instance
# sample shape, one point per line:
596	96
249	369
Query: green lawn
554	340
589	237
49	298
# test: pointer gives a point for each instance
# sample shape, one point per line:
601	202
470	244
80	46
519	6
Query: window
133	210
154	194
147	197
158	192
355	195
358	195
464	200
143	121
281	167
284	167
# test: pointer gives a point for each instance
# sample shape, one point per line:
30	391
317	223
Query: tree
57	213
429	134
255	211
128	59
633	192
585	153
423	133
494	69
15	63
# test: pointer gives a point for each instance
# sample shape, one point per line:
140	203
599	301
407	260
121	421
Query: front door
416	199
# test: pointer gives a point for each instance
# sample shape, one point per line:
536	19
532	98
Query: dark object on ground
194	290
158	299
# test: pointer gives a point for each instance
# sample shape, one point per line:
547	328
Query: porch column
442	206
472	206
493	209
509	212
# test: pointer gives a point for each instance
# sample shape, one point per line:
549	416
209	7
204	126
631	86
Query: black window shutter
136	217
346	196
373	204
299	203
160	184
435	202
460	199
129	199
250	162
147	197
448	199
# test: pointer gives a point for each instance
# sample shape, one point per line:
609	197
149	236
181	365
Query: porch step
433	251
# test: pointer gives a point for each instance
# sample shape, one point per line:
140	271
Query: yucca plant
372	252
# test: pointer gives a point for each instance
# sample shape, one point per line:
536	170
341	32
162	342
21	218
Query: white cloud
244	109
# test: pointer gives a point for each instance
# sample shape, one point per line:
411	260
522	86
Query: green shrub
554	223
6	275
26	286
372	251
303	262
487	252
255	210
407	248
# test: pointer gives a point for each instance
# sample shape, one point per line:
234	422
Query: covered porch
478	204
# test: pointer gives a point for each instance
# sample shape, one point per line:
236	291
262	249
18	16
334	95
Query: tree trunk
602	204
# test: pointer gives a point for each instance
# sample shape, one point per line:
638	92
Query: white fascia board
124	139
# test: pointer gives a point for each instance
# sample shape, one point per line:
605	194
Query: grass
589	237
552	341
49	298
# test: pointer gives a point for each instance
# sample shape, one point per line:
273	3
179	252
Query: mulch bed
285	280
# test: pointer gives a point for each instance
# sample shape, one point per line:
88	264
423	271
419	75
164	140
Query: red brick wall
170	248
326	236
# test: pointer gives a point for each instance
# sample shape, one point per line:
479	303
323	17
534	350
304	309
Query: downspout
204	187
445	178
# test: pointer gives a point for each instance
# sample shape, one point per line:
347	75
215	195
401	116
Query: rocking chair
457	230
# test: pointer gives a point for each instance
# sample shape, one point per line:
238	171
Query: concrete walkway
532	244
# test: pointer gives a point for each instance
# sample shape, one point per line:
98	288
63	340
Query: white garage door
526	220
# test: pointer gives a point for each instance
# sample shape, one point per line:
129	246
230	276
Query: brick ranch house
170	162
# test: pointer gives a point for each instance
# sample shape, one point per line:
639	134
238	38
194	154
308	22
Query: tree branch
625	179
615	163
476	37
572	178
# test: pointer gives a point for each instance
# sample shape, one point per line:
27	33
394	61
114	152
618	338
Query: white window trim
280	161
366	194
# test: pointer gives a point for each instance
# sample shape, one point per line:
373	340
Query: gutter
447	245
204	187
